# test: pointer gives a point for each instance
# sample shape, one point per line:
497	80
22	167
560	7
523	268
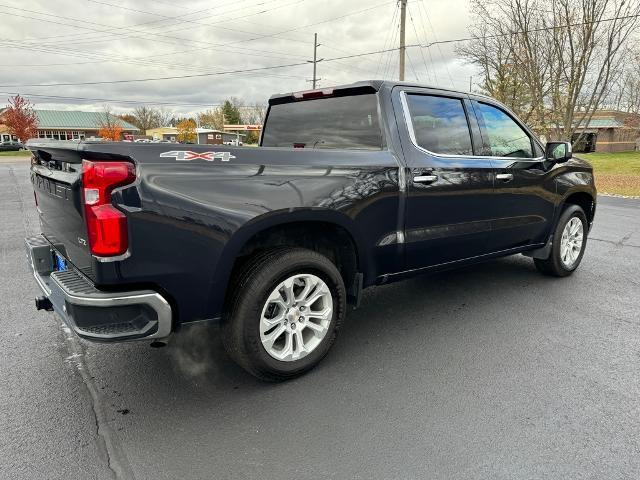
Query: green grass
21	153
621	162
616	173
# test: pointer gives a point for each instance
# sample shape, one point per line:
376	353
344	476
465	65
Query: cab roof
356	88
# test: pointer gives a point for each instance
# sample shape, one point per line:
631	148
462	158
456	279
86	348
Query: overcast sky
71	41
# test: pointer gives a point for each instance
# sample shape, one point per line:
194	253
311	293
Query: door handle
505	177
425	178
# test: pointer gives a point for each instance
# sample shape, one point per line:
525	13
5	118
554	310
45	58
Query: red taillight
106	225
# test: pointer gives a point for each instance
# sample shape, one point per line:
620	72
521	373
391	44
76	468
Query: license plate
61	263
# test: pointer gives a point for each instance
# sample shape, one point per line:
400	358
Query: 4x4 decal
186	155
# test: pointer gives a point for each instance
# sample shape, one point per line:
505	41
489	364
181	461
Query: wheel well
583	200
328	239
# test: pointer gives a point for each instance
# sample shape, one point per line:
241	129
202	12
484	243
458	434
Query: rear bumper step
92	313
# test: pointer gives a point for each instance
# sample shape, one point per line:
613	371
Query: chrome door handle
505	177
425	178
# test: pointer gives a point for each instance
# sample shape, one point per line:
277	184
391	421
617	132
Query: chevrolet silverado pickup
351	186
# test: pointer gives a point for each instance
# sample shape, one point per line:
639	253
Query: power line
174	77
141	36
437	44
395	28
84	22
387	39
191	50
196	22
115	29
111	100
533	30
180	39
415	31
103	58
165	17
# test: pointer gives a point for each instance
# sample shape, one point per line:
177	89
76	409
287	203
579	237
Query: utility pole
315	60
403	19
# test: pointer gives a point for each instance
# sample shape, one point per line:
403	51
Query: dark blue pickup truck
351	186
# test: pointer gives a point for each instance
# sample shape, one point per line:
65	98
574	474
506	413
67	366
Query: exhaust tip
158	344
43	303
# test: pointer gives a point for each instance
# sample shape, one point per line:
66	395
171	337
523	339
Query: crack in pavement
107	443
620	243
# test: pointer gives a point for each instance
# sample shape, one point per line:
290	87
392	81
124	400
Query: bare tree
146	118
164	116
626	91
553	62
212	118
254	114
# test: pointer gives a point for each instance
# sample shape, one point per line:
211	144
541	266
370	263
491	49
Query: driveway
492	371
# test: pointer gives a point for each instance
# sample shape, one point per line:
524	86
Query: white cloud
89	41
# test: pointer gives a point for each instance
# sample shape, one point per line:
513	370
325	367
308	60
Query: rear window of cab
347	122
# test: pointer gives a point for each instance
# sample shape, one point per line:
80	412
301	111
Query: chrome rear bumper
92	313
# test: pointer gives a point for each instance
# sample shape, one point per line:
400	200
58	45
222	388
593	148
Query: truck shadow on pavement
412	308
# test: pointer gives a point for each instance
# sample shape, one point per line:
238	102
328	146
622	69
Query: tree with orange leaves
110	128
186	131
113	133
21	119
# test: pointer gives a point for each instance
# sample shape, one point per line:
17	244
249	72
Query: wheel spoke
317	328
309	284
322	315
317	294
288	345
270	322
288	290
300	349
277	298
269	340
573	226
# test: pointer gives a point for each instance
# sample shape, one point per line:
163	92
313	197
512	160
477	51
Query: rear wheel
284	314
569	242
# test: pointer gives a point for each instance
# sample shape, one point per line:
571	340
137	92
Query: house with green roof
608	131
76	125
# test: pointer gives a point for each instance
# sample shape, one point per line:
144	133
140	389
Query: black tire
553	265
249	292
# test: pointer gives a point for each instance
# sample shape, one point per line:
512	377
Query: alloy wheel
296	317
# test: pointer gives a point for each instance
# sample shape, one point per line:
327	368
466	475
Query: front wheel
284	314
569	242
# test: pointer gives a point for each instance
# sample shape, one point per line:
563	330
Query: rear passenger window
503	137
440	124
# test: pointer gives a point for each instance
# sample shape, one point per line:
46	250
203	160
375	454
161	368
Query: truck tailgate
57	188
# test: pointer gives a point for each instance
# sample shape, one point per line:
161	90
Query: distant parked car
11	146
234	143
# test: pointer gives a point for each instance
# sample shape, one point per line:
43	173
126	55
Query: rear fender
234	246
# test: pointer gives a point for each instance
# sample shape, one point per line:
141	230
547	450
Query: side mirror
558	152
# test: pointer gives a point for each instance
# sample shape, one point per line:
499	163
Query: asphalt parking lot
488	372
